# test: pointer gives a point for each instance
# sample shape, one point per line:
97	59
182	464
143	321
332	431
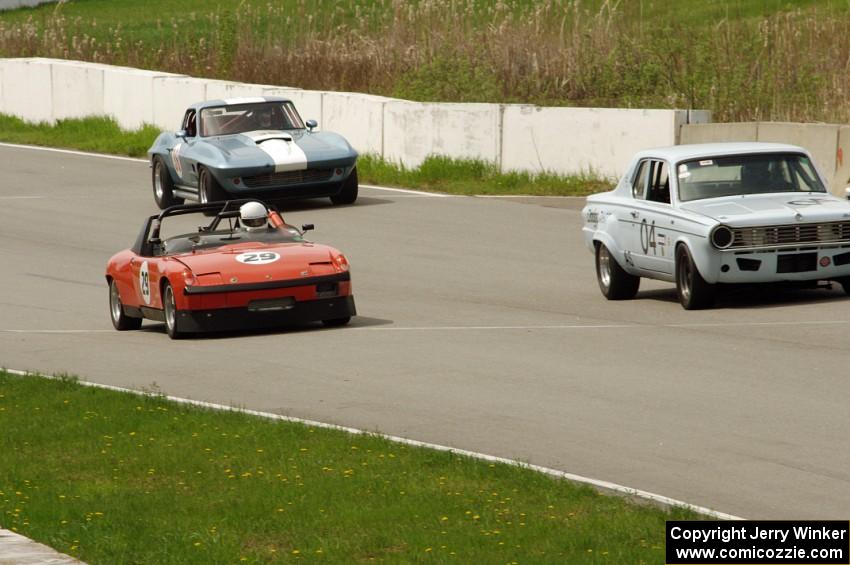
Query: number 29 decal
145	283
257	258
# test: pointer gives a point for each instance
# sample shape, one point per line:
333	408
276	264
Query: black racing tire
348	191
209	191
170	312
336	322
614	282
121	321
163	185
693	292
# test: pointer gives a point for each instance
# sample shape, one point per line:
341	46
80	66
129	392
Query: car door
146	273
184	152
632	219
653	219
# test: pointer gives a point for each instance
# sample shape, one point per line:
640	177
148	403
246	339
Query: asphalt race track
481	327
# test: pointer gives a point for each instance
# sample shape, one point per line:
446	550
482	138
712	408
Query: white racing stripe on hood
285	154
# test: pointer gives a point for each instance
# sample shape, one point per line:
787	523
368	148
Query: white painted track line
412	192
619	489
73	152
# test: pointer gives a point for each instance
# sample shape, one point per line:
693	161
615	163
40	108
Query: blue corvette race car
250	148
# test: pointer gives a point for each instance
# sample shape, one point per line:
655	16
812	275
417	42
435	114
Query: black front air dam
225	319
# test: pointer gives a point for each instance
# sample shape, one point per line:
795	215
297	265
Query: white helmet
253	216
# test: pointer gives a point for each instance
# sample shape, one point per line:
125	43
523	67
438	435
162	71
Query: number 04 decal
650	240
257	258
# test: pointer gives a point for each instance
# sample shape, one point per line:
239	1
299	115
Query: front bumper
269	185
301	312
802	264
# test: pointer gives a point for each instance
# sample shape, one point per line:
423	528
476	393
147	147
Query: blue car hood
241	150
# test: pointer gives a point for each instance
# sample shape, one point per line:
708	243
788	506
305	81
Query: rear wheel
170	310
694	293
120	320
614	282
209	190
163	185
348	192
335	322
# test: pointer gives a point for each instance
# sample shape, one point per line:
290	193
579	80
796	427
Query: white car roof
701	150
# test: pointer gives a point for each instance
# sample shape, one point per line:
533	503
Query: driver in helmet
253	216
264	118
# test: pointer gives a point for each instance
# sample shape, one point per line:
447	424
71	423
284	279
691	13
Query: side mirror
307	227
181	133
312	124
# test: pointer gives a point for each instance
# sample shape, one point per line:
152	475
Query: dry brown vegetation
790	65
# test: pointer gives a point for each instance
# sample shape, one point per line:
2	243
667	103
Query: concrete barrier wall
516	137
414	130
77	90
28	89
128	96
359	117
710	133
571	140
171	97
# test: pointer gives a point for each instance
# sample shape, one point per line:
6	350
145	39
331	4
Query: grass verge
101	135
440	174
114	477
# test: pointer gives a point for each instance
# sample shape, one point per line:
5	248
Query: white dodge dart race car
703	215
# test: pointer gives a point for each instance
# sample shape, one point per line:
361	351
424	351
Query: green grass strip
100	135
440	174
113	477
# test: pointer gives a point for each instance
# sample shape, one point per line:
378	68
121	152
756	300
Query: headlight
340	262
189	278
721	237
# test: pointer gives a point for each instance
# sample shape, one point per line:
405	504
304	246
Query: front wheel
336	322
694	293
348	192
163	185
209	191
120	320
614	282
171	312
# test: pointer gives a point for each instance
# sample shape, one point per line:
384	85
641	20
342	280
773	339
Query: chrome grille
288	178
791	235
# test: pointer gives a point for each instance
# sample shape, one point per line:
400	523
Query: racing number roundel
145	283
175	157
257	258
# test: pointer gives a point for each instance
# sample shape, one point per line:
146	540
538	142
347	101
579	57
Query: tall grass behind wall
792	65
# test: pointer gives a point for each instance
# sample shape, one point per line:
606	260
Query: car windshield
197	241
239	118
746	174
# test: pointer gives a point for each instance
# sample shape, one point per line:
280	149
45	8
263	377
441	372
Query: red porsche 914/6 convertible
245	268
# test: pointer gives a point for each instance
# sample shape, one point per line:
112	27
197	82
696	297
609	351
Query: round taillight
722	237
